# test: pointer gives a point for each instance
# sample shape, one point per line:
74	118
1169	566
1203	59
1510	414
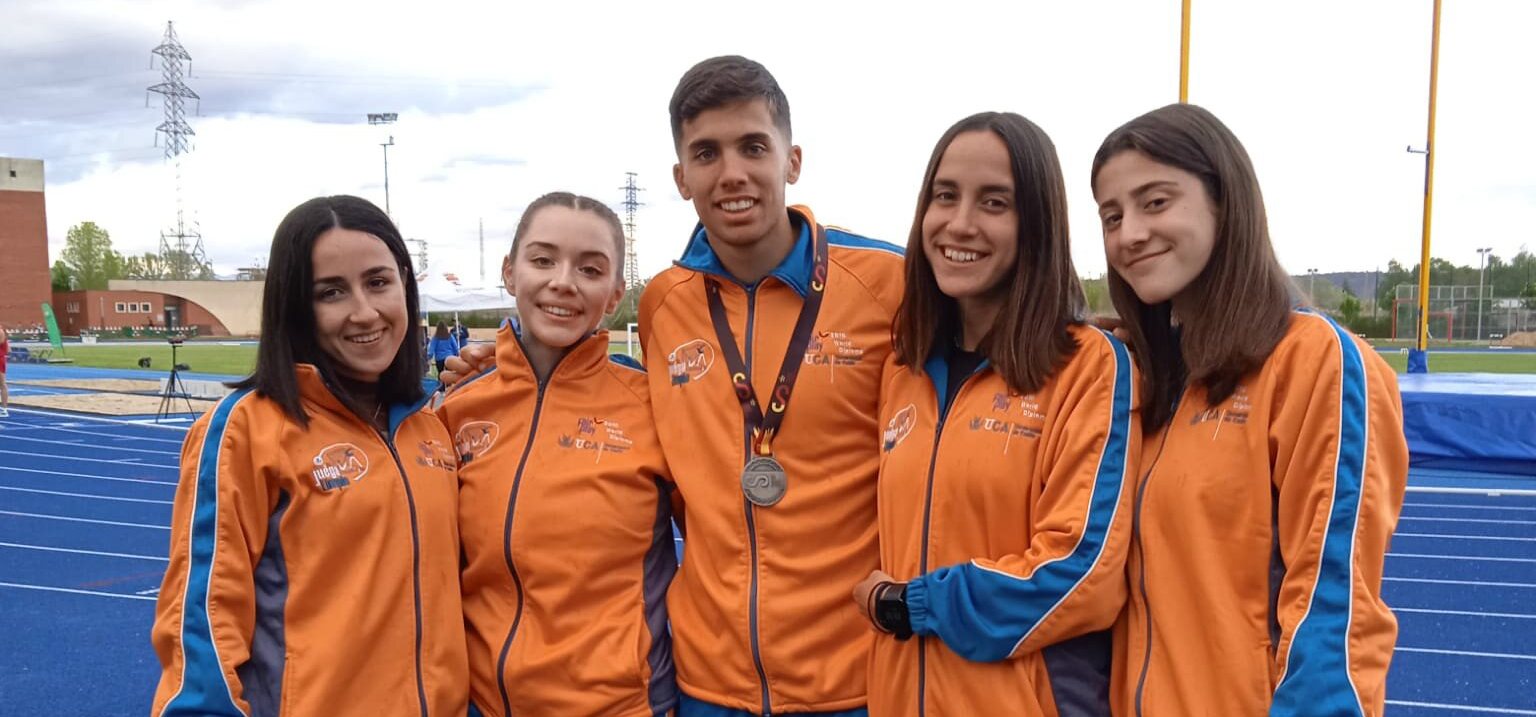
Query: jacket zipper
410	500
922	569
1141	578
757	654
506	543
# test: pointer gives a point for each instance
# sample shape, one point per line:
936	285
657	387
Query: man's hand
1113	325
471	360
862	593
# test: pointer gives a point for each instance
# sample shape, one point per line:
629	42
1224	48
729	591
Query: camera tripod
174	389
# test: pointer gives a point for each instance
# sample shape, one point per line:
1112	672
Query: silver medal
764	481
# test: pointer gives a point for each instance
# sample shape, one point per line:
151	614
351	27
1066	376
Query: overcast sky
499	103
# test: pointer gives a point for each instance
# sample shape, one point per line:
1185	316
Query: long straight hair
288	308
1029	340
1239	305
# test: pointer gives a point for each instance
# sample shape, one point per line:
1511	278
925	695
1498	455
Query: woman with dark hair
443	344
1276	461
1009	430
314	549
565	500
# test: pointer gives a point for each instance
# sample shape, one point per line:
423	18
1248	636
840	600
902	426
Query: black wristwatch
891	610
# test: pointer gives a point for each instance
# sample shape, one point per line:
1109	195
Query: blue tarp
1471	421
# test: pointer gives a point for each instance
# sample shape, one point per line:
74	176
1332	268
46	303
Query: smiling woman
293	491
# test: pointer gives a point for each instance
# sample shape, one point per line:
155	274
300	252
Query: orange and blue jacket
565	514
312	572
1261	526
1009	516
760	613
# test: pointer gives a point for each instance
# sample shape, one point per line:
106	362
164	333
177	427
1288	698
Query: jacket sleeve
205	613
1340	468
1071	579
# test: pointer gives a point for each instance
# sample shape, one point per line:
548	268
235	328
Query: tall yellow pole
1429	182
1184	56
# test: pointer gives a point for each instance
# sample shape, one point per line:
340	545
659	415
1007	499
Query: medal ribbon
765	426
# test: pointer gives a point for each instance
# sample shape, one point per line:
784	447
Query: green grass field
1467	363
238	360
200	358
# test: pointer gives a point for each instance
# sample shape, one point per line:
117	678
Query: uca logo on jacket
899	427
690	361
598	436
833	349
339	465
436	454
474	439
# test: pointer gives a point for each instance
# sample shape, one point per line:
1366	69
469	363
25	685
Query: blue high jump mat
1482	422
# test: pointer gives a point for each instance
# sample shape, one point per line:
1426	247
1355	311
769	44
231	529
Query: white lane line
1462	557
115	436
99	447
119	462
1463	708
1475	492
1469	506
86	495
83	520
73	591
1464	653
83	552
5	469
83	417
1468	613
1468	520
1460	537
1434	581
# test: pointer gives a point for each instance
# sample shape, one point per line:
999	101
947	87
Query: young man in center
764	345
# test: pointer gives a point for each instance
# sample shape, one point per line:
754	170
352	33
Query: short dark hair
1241	301
720	81
1029	340
288	308
579	203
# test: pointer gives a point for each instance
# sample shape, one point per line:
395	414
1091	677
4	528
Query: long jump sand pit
119	385
111	404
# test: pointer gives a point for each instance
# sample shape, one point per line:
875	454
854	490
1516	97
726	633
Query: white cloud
1325	97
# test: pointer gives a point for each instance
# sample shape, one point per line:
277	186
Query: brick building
109	312
24	281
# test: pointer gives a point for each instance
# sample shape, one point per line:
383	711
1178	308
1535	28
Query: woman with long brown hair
1275	461
1009	431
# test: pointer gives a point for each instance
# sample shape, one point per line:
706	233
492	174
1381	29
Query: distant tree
1096	291
89	256
150	266
1529	294
628	311
63	279
1349	307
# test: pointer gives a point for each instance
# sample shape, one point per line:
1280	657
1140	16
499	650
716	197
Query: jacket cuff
917	606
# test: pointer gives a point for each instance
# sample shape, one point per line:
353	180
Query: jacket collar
313	388
794	270
583	359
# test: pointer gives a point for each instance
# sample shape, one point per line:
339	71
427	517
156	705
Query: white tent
440	295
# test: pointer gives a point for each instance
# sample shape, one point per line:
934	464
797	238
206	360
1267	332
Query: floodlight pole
385	118
1311	286
1482	259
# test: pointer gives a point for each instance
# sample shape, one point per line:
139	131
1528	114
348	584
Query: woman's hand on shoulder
471	360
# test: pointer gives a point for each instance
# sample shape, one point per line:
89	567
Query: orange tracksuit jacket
1261	528
312	572
1009	516
760	613
566	518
